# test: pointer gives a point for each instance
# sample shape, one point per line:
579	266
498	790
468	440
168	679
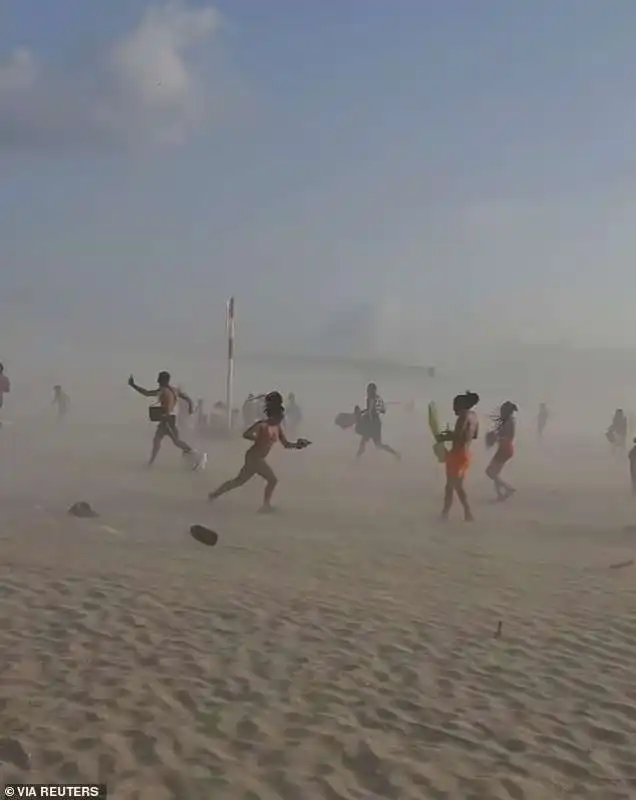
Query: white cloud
146	89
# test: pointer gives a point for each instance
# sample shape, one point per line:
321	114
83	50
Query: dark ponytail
274	405
472	398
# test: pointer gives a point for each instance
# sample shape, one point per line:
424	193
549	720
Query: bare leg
388	449
463	499
504	490
173	432
267	495
449	491
183	446
271	481
241	479
456	486
379	444
362	446
156	446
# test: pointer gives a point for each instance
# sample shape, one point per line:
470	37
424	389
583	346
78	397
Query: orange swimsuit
460	456
458	461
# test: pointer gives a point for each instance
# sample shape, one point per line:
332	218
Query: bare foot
266	509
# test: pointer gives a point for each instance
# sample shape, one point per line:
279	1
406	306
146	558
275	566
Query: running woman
264	434
502	435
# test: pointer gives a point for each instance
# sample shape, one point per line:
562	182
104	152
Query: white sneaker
195	461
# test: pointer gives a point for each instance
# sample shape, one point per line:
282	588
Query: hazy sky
464	169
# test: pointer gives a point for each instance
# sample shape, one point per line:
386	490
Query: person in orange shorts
459	457
503	435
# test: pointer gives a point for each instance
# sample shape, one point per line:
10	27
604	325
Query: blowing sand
344	648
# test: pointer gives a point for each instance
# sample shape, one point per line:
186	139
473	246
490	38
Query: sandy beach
345	648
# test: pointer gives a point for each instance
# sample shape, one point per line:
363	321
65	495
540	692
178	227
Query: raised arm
141	390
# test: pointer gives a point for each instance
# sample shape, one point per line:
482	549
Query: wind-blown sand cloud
146	89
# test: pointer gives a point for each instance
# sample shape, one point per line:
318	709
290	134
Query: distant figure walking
5	385
201	420
293	416
616	434
61	401
632	467
369	423
184	410
542	420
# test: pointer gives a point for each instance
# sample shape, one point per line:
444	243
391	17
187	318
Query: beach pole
229	384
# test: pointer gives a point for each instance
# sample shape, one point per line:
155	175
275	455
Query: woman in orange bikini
459	457
264	435
503	435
